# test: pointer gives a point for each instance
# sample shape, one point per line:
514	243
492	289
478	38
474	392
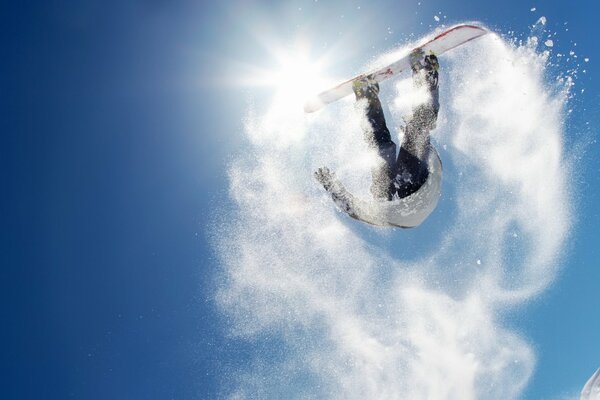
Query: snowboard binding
365	87
425	67
418	61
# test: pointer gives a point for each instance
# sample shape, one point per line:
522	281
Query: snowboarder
405	187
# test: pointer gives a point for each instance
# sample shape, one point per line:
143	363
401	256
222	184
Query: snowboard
591	390
447	40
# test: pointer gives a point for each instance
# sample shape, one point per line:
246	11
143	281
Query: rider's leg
411	167
377	136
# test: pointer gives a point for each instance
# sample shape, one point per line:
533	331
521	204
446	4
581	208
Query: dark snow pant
406	173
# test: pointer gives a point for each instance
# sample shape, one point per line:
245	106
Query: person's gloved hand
325	177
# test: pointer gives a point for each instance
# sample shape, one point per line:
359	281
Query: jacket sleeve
355	207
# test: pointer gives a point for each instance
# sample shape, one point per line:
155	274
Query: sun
293	77
296	75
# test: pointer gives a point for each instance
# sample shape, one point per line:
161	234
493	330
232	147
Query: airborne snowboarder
405	186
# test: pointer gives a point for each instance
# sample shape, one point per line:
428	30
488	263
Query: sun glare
295	80
297	75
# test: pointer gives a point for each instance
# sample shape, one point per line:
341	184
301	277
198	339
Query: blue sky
120	120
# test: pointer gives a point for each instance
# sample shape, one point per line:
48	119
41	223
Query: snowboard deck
447	40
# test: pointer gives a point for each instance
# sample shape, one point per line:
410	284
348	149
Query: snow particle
542	20
532	9
586	59
478	262
549	43
437	19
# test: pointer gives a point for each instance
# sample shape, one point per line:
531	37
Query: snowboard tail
447	40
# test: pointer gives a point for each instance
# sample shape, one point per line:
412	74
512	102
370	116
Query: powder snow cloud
343	313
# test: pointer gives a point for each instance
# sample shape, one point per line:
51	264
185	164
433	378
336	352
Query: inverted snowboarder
406	185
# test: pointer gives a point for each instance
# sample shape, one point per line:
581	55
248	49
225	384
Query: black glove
325	177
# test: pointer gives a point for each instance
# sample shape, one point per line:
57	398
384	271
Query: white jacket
406	212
